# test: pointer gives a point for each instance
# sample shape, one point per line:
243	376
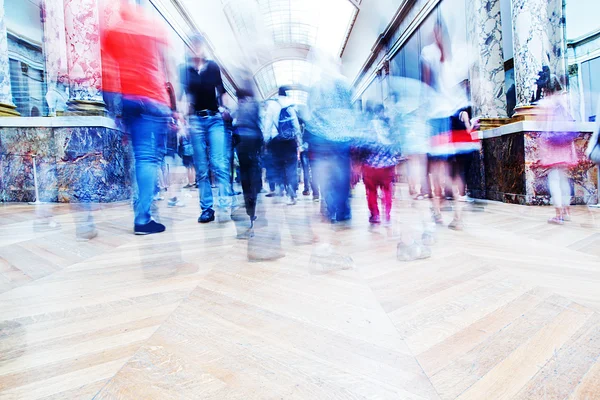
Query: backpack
285	127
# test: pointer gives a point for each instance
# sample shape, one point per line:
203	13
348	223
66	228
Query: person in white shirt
281	131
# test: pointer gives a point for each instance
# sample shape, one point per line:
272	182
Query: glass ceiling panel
321	23
281	73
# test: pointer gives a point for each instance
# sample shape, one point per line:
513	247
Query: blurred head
199	47
282	91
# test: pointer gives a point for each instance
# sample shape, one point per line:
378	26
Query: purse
593	150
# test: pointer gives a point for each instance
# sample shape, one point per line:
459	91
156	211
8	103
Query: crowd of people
426	124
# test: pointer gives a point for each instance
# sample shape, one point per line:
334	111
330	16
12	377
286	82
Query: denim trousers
146	121
212	152
332	170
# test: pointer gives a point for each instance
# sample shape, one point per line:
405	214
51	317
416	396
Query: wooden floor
507	309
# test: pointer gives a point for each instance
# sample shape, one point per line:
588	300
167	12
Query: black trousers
249	153
309	174
285	164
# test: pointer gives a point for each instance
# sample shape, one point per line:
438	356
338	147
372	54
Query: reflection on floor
506	309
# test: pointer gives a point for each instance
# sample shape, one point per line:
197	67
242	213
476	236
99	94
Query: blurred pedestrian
138	46
203	86
285	145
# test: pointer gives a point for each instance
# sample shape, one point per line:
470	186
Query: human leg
198	136
370	180
387	186
147	124
219	148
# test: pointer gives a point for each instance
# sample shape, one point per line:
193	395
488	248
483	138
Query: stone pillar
55	53
538	39
7	107
82	28
487	66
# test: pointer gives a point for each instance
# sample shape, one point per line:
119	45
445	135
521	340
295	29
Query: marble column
55	53
538	39
7	107
82	29
487	65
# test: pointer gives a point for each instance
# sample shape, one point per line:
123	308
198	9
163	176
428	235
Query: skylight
281	73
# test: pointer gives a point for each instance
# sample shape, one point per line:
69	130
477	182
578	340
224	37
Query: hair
198	39
282	91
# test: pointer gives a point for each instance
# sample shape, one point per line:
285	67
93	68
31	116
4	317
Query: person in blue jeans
137	47
203	86
146	121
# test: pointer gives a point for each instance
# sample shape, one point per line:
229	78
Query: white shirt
271	120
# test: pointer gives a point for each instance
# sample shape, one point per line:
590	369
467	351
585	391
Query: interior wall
23	18
582	17
373	18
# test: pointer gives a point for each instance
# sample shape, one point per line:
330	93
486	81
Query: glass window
26	57
281	73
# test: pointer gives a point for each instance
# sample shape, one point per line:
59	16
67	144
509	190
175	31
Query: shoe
316	198
207	215
427	239
223	216
271	194
173	202
437	218
566	217
149	228
465	199
556	221
188	186
87	235
455	225
374	219
305	193
159	197
291	201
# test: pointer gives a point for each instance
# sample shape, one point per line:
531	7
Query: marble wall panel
92	165
504	165
82	27
476	184
538	40
18	146
55	52
487	69
78	164
583	176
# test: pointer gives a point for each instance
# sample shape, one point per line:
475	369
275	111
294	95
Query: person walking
284	146
203	86
138	47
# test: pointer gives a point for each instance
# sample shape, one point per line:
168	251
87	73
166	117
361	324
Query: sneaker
158	197
556	221
87	234
207	215
188	186
465	199
437	218
173	202
291	201
305	193
149	228
316	198
455	225
374	219
271	194
223	216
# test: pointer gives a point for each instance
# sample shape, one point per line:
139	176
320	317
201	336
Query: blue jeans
146	121
212	151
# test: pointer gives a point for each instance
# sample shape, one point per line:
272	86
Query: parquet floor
507	309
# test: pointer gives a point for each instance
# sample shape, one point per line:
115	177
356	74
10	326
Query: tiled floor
506	309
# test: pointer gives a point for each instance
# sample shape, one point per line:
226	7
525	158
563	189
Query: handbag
593	150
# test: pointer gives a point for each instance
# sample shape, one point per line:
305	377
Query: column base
86	107
8	110
491	123
527	113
